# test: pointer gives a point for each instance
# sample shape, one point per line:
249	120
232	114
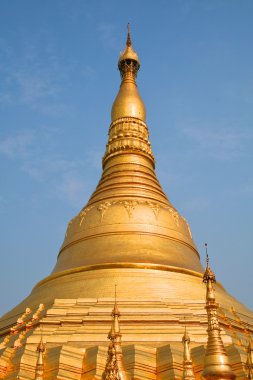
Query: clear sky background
58	80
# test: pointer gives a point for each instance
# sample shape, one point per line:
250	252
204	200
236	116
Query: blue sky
59	77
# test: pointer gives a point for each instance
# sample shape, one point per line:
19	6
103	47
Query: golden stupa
127	234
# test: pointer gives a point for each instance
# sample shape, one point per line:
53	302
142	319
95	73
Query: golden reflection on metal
188	373
216	365
115	367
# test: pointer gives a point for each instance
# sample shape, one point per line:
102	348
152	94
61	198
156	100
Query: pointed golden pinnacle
115	368
128	42
216	365
188	373
39	370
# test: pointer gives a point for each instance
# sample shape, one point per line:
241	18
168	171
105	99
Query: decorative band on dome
128	134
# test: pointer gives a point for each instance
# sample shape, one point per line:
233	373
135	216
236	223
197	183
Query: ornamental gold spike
115	367
249	362
216	364
129	42
188	373
39	370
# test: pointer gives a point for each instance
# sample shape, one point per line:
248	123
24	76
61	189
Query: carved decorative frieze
175	215
128	134
103	207
83	213
130	206
155	208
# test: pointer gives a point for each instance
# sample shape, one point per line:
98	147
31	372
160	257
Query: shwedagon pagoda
128	297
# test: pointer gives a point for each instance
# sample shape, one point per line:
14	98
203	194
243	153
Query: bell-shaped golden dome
128	102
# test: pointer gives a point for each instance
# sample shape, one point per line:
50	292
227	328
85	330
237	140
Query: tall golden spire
249	362
39	370
115	367
188	373
216	365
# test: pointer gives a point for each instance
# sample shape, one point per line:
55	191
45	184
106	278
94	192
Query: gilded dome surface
133	230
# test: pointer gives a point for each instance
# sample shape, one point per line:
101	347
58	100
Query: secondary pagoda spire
115	367
216	365
188	373
39	370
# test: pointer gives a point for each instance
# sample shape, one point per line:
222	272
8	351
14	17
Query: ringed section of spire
128	134
128	158
128	162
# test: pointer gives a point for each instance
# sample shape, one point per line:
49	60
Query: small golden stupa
127	234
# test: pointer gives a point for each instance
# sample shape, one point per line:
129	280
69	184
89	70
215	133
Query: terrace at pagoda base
153	321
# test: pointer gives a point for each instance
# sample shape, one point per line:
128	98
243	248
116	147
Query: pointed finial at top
115	328
208	275
128	42
188	373
41	345
185	337
115	309
128	60
115	368
128	102
207	257
39	369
